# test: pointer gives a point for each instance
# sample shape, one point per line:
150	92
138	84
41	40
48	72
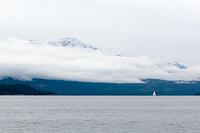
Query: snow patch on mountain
70	42
178	65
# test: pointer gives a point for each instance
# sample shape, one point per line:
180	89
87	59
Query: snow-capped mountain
70	42
64	42
178	65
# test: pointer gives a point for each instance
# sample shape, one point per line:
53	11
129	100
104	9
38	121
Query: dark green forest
61	87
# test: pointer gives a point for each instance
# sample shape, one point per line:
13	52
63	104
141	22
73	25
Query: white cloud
165	28
24	60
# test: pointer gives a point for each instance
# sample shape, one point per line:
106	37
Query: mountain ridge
61	87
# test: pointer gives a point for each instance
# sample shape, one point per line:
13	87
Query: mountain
20	89
61	87
64	42
180	66
70	42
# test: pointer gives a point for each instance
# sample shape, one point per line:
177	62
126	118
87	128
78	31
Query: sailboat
154	93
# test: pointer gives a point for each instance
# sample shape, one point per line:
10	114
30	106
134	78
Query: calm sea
99	114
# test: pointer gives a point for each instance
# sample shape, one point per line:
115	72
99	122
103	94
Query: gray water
99	114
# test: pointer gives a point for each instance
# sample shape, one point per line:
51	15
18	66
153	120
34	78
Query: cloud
24	60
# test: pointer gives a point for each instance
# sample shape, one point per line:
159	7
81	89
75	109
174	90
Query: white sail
154	93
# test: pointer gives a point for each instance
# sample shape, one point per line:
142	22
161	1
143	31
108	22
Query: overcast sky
168	29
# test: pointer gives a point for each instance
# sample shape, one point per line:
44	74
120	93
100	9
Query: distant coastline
12	86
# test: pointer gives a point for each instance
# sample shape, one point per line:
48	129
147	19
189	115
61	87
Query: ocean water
99	114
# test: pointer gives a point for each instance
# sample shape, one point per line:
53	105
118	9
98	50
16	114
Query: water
99	114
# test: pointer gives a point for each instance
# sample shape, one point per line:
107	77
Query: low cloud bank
24	60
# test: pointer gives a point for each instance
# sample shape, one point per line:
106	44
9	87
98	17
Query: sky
167	29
